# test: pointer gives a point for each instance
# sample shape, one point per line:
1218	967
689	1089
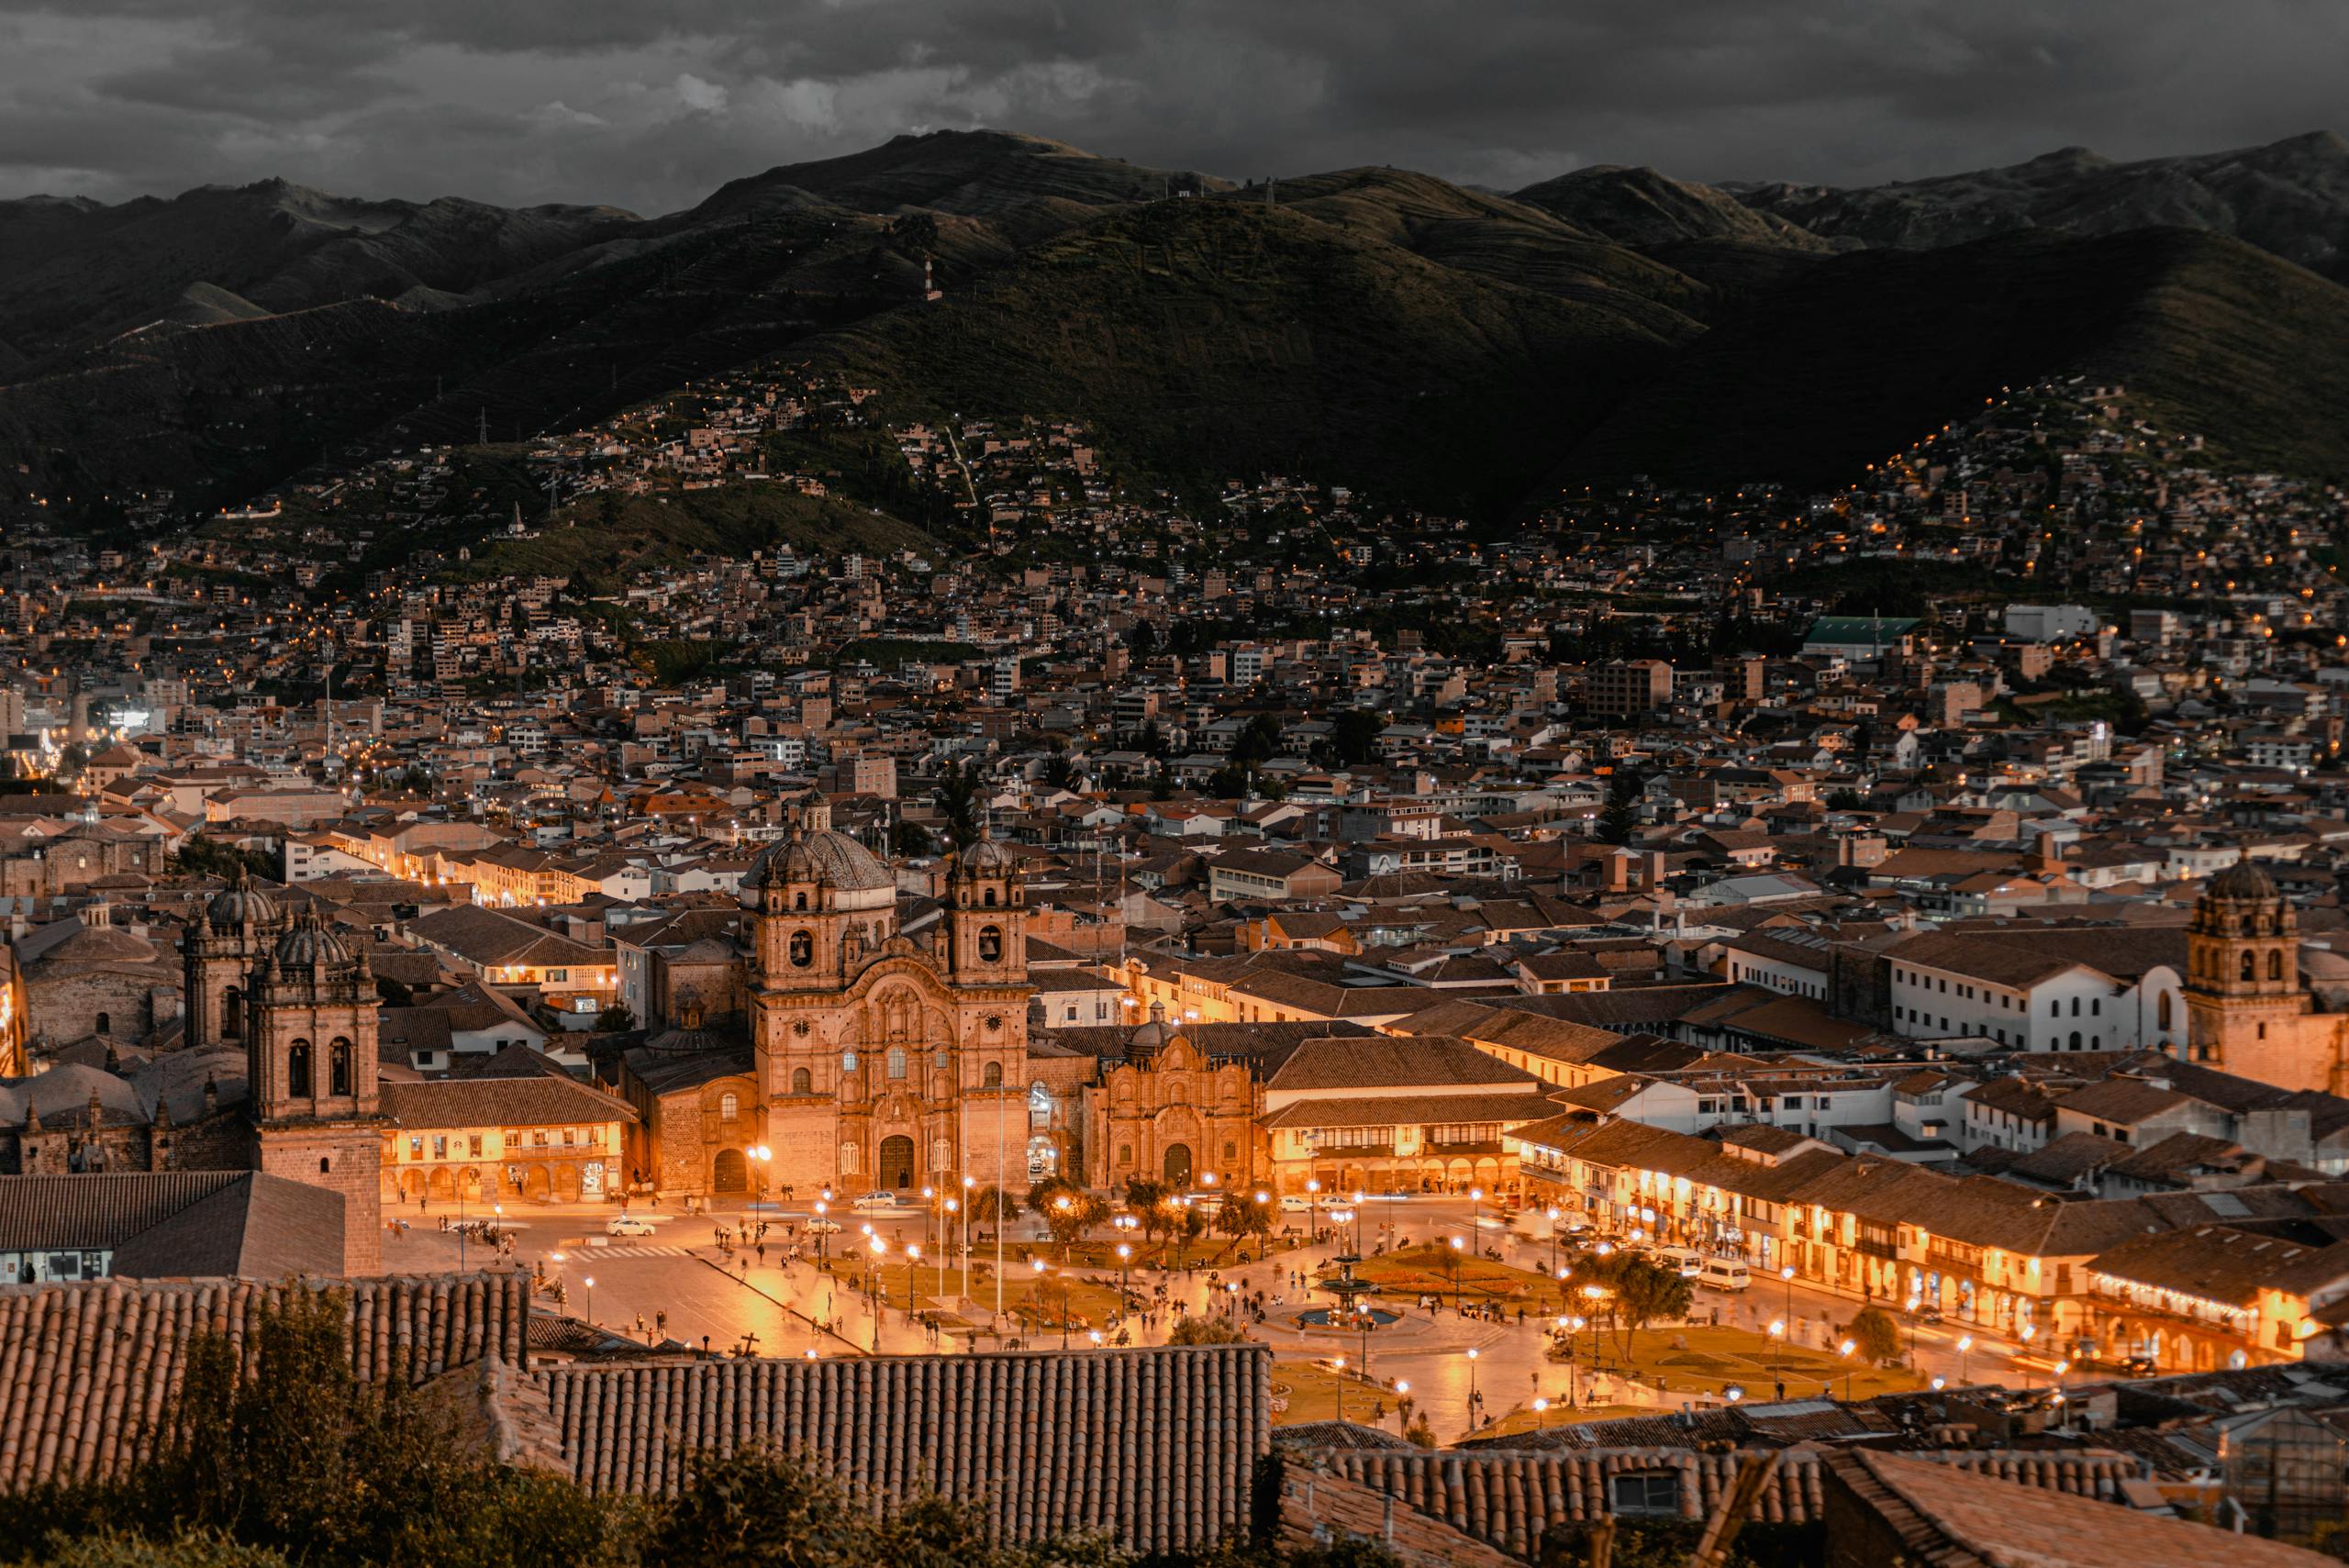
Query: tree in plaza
1147	1198
1206	1328
1067	1211
1876	1335
1194	1223
1240	1214
1641	1292
991	1205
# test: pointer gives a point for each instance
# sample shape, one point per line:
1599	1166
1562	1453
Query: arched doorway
1178	1164
896	1163
730	1172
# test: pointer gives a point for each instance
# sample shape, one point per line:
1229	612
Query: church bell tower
310	1061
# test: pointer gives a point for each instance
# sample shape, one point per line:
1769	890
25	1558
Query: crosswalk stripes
636	1252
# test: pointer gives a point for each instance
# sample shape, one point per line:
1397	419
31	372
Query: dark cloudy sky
649	104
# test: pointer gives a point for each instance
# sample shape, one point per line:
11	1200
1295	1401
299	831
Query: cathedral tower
217	953
987	902
2244	1005
311	1059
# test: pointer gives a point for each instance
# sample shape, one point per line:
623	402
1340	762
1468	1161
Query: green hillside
1855	357
1212	338
607	535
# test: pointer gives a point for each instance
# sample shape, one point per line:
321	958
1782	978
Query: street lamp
1475	1398
1845	1349
819	1227
760	1154
1338	1366
590	1283
1787	1274
1965	1359
2030	1332
1554	1240
873	1249
913	1268
1312	1208
1475	1196
1402	1403
1541	1414
1456	1245
1125	1259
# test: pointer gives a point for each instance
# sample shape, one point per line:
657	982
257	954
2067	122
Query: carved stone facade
1169	1112
882	1064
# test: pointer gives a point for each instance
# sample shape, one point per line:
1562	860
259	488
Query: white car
877	1200
626	1224
1295	1203
822	1227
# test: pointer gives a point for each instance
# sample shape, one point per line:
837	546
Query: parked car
877	1200
1295	1203
626	1224
2139	1367
822	1227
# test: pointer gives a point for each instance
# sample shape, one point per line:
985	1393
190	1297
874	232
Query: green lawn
1429	1268
1707	1361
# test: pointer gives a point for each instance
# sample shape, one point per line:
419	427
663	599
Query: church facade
881	1062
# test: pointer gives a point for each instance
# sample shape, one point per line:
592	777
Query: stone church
276	1073
2249	1009
876	1057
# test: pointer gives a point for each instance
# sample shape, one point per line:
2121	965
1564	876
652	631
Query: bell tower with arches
2244	1005
986	905
310	1061
216	954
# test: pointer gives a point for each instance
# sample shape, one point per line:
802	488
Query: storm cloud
651	106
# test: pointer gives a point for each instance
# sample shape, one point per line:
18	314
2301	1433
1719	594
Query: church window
938	1060
990	944
851	1159
2276	964
2056	1007
2162	1009
326	1166
992	1077
339	1067
802	1082
803	950
297	1069
2251	966
989	899
232	1014
941	1153
2075	1006
1231	1151
105	1024
2096	1007
729	1108
848	1062
896	1062
800	901
1124	1153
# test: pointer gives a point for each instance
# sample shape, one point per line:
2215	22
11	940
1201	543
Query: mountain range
1447	347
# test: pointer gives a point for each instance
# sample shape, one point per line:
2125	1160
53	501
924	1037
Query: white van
1723	1274
1685	1261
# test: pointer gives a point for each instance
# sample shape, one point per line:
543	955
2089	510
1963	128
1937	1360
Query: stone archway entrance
1178	1164
897	1163
730	1172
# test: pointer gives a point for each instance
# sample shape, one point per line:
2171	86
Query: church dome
1151	1036
2245	881
308	944
823	856
242	904
985	857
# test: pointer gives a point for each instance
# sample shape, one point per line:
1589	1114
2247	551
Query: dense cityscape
796	786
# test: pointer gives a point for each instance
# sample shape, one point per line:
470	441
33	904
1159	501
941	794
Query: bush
1877	1336
1200	1329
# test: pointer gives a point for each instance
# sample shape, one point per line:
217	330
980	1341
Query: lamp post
946	1245
2030	1332
760	1154
1965	1359
1338	1366
1456	1245
873	1249
913	1268
821	1235
1402	1403
1475	1196
1312	1210
1475	1398
1845	1350
1540	1413
1787	1274
590	1283
1554	1240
